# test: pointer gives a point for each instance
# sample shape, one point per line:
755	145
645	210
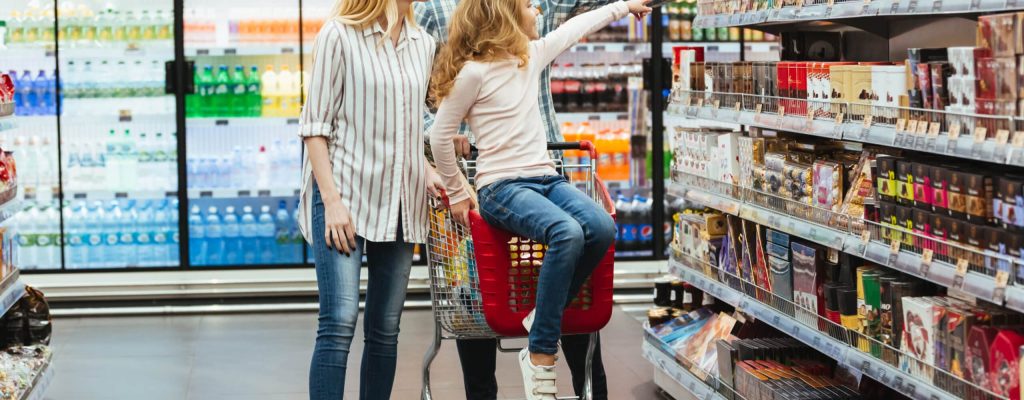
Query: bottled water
161	241
49	238
250	234
129	162
214	238
196	237
38	96
98	250
111	228
171	231
281	160
265	229
232	237
77	237
144	229
282	235
28	255
263	169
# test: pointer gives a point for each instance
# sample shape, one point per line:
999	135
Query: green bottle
206	93
222	93
239	98
192	99
253	90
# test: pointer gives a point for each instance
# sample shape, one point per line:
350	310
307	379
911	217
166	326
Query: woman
488	73
365	183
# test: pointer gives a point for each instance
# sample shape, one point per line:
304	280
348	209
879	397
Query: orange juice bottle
569	157
584	133
620	156
604	155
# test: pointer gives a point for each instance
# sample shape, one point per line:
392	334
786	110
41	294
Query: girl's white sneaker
539	381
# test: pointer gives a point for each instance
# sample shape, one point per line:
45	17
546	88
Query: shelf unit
11	290
682	377
43	378
731	12
829	343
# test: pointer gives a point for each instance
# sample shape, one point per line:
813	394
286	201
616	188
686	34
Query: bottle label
126	238
95	240
646	233
110	239
159	238
76	240
43	240
143	238
221	89
175	238
26	240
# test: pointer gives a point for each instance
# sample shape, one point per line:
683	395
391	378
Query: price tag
954	131
689	101
901	125
717	103
1002	136
757	108
961	273
979	134
737	106
922	128
839	118
1018	139
867	120
912	126
894	247
926	262
934	129
810	115
865	236
1002	278
782	111
700	102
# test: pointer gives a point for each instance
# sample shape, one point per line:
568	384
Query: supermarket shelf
112	195
7	123
942	272
680	375
834	348
830	121
113	51
578	117
244	49
11	290
818	11
197	122
41	382
239	193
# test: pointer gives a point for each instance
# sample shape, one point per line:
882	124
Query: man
478	356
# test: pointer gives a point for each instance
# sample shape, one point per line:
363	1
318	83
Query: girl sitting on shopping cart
489	75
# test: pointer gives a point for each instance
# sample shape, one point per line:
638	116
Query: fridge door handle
170	83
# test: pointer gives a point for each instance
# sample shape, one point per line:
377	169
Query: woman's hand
339	231
638	8
434	184
460	211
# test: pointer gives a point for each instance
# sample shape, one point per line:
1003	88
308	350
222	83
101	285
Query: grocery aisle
266	357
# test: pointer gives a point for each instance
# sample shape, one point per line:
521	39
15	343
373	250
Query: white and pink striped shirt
367	96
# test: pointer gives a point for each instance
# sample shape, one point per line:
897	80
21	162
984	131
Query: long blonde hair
364	13
483	31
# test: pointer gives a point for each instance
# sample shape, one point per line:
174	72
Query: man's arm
558	11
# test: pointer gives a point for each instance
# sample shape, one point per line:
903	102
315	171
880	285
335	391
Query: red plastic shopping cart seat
509	266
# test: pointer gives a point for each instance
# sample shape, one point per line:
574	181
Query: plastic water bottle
250	234
239	173
268	244
28	257
160	240
78	253
113	228
49	99
263	169
196	237
98	250
171	230
144	229
49	238
129	162
224	172
214	237
281	159
283	235
232	237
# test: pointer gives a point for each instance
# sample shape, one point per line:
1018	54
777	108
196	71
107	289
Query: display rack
827	337
728	13
11	290
43	378
976	137
862	238
685	379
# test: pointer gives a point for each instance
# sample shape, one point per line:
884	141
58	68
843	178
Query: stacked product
592	84
19	367
7	93
84	26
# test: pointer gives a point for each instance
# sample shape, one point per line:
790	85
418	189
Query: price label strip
961	274
926	262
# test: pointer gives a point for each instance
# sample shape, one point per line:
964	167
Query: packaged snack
922	185
978	198
904	183
939	189
957	194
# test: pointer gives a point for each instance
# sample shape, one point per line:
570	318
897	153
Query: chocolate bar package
940	76
979	198
806	280
977	357
957	191
940	187
920	320
922	185
782	278
904	183
886	186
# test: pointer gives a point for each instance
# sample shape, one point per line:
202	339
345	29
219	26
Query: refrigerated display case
162	134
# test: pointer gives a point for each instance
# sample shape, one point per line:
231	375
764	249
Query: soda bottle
196	237
239	99
268	92
642	213
253	89
626	240
206	89
192	100
222	93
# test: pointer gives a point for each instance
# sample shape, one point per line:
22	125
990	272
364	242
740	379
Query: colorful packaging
904	183
886	186
940	188
922	186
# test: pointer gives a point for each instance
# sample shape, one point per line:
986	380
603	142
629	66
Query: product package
806	282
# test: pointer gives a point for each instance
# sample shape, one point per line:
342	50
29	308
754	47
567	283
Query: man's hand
639	8
462	147
460	211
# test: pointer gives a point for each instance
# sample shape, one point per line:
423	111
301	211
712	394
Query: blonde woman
365	183
489	74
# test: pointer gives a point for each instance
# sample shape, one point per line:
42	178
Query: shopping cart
483	279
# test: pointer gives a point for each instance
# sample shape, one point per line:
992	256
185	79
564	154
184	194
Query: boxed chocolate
940	73
1010	203
904	183
923	83
977	357
886	186
806	279
997	78
921	173
828	185
920	320
978	197
939	189
957	194
905	220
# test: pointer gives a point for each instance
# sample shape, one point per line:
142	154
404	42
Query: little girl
489	75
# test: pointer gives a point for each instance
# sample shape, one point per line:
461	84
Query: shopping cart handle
581	145
444	199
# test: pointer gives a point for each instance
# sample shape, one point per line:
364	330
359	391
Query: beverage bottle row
208	25
37	162
104	79
228	238
37	233
612	143
35	94
245	94
123	162
253	167
592	87
82	26
636	231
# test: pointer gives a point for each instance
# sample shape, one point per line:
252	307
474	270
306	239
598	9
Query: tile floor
266	357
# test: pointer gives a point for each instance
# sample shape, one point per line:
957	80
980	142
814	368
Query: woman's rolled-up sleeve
324	99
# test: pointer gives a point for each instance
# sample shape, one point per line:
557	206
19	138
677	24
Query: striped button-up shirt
367	96
434	17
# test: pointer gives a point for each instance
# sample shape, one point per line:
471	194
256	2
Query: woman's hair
483	31
364	13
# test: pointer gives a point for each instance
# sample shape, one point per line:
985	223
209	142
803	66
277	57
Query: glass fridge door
118	134
28	128
243	153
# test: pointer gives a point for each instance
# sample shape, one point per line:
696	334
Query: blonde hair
364	13
483	31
